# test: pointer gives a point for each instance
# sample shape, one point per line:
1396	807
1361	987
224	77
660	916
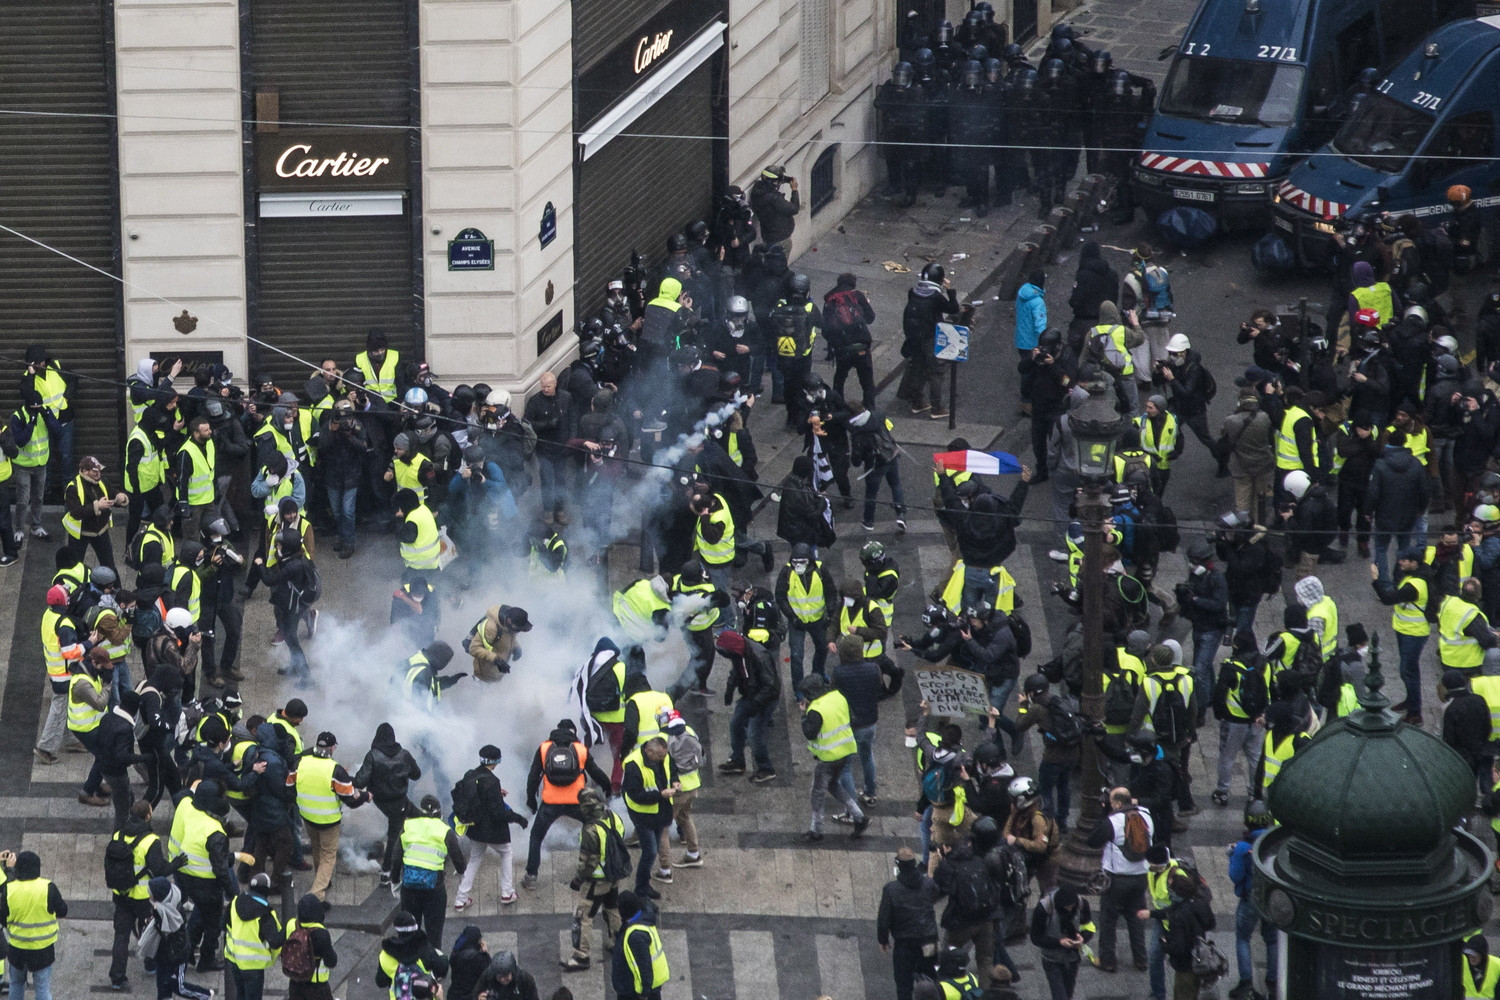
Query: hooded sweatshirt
1031	316
388	767
926	305
409	948
907	906
270	797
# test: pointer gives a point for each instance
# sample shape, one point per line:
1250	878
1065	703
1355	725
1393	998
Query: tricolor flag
983	463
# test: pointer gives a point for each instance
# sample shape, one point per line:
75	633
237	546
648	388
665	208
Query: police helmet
934	273
944	33
697	231
1102	61
922	61
799	284
179	619
1448	365
498	398
1061	31
1119	83
1023	790
1026	81
1448	343
994	70
986	11
871	552
979	53
973	73
1120	494
1013	53
901	76
1062	51
415	397
1053	70
218	526
677	243
590	349
1418	313
739	305
1036	684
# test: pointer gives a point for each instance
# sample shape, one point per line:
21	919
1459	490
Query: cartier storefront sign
641	52
350	159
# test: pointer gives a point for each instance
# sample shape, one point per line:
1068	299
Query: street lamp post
1096	427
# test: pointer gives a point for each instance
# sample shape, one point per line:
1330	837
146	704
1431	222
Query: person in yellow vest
643	706
1322	614
64	645
808	599
648	784
713	536
1286	734
701	602
421	545
1481	970
30	907
408	945
323	789
597	891
422	678
1464	632
141	856
381	368
409	468
1109	344
860	616
641	609
253	939
311	912
285	432
493	643
427	846
32	429
88	504
686	752
1160	439
1297	446
547	557
1409	597
207	877
830	739
88	702
483	818
1240	695
197	480
639	968
560	769
55	386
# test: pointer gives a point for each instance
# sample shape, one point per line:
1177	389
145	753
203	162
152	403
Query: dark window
1383	134
823	188
1357	49
1462	142
1258	92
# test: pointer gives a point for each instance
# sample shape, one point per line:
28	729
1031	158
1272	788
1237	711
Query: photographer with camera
220	570
776	213
1126	833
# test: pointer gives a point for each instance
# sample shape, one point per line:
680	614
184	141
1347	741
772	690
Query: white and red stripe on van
1321	207
1204	168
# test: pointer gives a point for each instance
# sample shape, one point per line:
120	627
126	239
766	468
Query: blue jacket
1241	868
1031	316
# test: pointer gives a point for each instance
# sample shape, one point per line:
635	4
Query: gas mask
799	565
737	327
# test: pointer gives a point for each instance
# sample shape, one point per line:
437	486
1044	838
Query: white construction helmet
179	618
498	398
1296	483
1177	343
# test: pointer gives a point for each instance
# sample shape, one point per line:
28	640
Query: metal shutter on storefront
600	25
319	284
58	185
639	189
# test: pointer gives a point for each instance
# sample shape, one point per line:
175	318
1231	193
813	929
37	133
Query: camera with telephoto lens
225	551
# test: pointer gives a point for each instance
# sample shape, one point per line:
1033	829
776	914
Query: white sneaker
40	532
1057	555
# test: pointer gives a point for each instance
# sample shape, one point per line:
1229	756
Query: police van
1256	84
1430	124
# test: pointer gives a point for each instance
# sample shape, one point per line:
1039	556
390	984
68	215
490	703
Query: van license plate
1188	194
1284	223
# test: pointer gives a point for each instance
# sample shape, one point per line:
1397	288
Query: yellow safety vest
835	737
1130	681
1154	684
1455	649
1234	697
320	971
162	538
5	473
305	426
1130	662
609	822
648	780
1418	444
1287	455
648	704
659	974
29	925
83	717
422	553
57	667
887	606
853	618
200	484
1160	449
1465	559
618	715
148	475
1410	617
316	800
732	446
243	947
689	780
191	828
424	843
1486	987
538	568
1488	688
1348	700
382	383
1118	354
288	730
38	447
634	606
721	552
138	853
1325	609
957	989
414	668
275	526
283	443
806	600
408	474
237	751
271	505
195	592
1156	886
709	615
1377	297
53	388
1275	755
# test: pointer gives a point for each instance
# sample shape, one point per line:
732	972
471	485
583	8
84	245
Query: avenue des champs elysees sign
352	159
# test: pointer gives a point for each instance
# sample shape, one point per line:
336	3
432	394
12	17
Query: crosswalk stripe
839	966
589	983
935	563
680	986
1022	566
754	957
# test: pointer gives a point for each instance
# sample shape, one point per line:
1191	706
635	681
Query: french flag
982	463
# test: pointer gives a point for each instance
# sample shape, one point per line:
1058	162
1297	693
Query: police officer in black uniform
1119	123
996	91
969	132
1025	116
900	129
1061	89
935	98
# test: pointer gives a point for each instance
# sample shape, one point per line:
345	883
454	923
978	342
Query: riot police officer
1119	123
991	35
935	100
1066	116
900	129
795	324
1026	125
996	91
969	131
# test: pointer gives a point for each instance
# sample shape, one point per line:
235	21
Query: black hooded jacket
908	907
410	948
388	767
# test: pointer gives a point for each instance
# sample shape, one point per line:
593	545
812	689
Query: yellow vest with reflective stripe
243	947
422	553
29	924
289	731
1410	617
275	526
1325	609
1488	688
853	618
53	388
271	505
1455	649
195	591
152	469
1275	755
38	447
887	606
648	704
305	425
1160	450
835	737
383	382
721	552
732	446
191	828
539	568
709	615
57	667
648	780
414	668
658	974
618	715
610	821
164	539
237	750
424	843
1155	683
1377	297
138	857
320	971
283	443
83	717
807	601
200	484
1234	697
1287	455
690	779
1465	559
408	474
1419	444
316	800
1117	354
1485	989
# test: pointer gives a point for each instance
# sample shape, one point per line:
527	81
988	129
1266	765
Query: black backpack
1065	727
1022	633
1307	662
1119	699
1170	717
120	872
975	894
1008	873
617	864
466	797
602	693
561	766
